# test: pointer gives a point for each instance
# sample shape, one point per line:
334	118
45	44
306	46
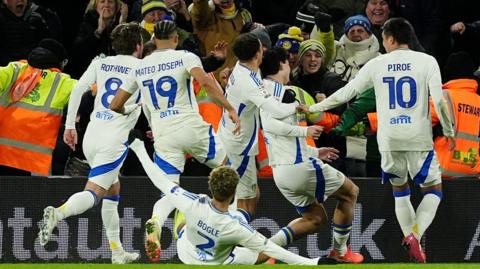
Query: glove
289	96
323	21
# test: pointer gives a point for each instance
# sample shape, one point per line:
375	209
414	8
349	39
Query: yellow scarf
149	27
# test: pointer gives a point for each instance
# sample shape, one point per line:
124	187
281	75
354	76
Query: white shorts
197	139
105	157
422	166
188	254
303	183
247	169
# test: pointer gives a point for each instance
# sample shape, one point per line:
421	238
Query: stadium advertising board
453	237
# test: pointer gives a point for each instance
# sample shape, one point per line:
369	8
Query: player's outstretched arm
215	91
180	198
358	85
83	85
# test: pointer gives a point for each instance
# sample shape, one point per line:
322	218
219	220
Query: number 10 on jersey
395	91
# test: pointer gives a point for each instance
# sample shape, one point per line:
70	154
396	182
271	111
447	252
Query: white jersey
109	74
165	83
403	80
285	139
246	93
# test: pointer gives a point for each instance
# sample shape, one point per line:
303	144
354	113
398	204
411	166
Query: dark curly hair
222	182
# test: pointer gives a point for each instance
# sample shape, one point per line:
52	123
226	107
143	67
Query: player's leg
105	166
248	193
209	149
426	173
395	168
332	183
170	161
111	222
301	193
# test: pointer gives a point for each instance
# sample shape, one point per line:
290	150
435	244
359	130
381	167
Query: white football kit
246	93
211	236
291	157
104	143
403	80
164	81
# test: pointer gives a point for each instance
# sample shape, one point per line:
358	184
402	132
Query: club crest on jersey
402	119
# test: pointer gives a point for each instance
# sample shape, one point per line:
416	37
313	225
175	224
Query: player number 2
395	91
207	246
111	87
166	87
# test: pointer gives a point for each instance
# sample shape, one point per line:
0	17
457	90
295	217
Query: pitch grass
279	266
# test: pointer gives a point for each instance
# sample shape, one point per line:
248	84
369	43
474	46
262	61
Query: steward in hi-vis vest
33	95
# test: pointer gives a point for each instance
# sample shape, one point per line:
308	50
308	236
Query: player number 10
395	91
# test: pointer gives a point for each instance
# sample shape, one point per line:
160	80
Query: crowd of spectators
328	43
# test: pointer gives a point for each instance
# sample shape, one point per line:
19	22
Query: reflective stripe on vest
449	173
25	145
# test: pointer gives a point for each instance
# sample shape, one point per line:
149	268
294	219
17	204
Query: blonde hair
92	5
222	182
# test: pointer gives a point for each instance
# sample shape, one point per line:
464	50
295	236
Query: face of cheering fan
155	15
17	7
377	11
357	33
107	8
311	61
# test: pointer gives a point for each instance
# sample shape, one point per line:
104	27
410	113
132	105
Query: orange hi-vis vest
464	104
208	109
29	126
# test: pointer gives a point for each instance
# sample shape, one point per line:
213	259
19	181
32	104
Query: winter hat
262	34
49	53
357	20
458	65
311	44
150	5
290	40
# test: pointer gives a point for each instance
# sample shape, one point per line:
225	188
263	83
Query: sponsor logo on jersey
104	115
402	119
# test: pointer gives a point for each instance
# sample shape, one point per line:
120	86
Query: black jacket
87	45
21	34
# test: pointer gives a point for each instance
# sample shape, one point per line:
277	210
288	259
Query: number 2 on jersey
111	86
395	92
163	83
207	246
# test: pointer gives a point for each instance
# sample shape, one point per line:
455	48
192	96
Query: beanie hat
48	53
163	29
290	40
311	44
262	34
357	20
150	5
458	65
